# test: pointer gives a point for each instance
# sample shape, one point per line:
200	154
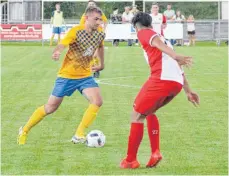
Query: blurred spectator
134	11
179	18
191	30
126	18
169	13
116	18
158	19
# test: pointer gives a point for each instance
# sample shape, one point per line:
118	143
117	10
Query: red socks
153	132
135	138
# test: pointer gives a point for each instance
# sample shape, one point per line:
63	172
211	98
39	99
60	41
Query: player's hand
184	60
96	68
193	97
56	55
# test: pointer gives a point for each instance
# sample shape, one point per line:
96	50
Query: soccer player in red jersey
165	82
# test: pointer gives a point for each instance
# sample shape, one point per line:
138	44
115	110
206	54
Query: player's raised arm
182	60
192	96
100	54
57	52
70	36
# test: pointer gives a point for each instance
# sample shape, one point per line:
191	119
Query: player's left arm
192	96
100	55
182	60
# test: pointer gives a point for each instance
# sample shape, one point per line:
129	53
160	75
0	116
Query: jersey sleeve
69	37
147	36
104	18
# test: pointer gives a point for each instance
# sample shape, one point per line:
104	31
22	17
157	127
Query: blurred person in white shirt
169	13
126	18
179	18
191	30
158	19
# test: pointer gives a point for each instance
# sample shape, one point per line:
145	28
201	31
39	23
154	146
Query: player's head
58	6
178	13
127	9
142	20
93	17
169	6
155	8
91	3
190	17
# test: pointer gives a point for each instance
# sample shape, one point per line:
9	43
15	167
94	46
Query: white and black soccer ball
95	138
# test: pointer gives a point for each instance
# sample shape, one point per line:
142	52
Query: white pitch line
123	77
138	87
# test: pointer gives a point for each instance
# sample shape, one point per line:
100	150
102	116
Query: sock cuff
42	110
94	107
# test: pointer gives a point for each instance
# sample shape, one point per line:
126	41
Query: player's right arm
192	96
69	38
182	60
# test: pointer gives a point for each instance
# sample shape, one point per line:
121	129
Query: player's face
127	9
155	9
91	4
58	7
94	20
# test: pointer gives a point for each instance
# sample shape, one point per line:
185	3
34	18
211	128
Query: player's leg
53	35
193	39
59	32
92	93
135	138
63	87
190	39
38	115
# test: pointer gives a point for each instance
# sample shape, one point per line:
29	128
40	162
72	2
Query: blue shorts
56	30
66	87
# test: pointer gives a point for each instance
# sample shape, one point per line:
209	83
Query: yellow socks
36	117
88	118
51	40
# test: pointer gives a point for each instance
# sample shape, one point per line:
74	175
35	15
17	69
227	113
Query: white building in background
224	10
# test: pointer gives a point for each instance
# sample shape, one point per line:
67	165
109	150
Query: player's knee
49	109
98	102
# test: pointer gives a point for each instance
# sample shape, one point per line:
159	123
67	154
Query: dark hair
144	19
155	3
93	9
91	1
115	8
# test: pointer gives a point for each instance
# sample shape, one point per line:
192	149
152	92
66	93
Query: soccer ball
95	138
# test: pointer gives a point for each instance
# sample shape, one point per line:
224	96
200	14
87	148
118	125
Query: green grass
193	140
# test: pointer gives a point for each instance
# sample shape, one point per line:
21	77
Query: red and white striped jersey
162	66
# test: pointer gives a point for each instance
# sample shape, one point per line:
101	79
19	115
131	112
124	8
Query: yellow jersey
82	45
57	18
83	19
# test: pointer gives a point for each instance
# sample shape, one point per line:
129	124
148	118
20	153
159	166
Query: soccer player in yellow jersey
92	3
75	74
57	21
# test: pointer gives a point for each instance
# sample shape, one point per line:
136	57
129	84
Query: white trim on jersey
150	41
